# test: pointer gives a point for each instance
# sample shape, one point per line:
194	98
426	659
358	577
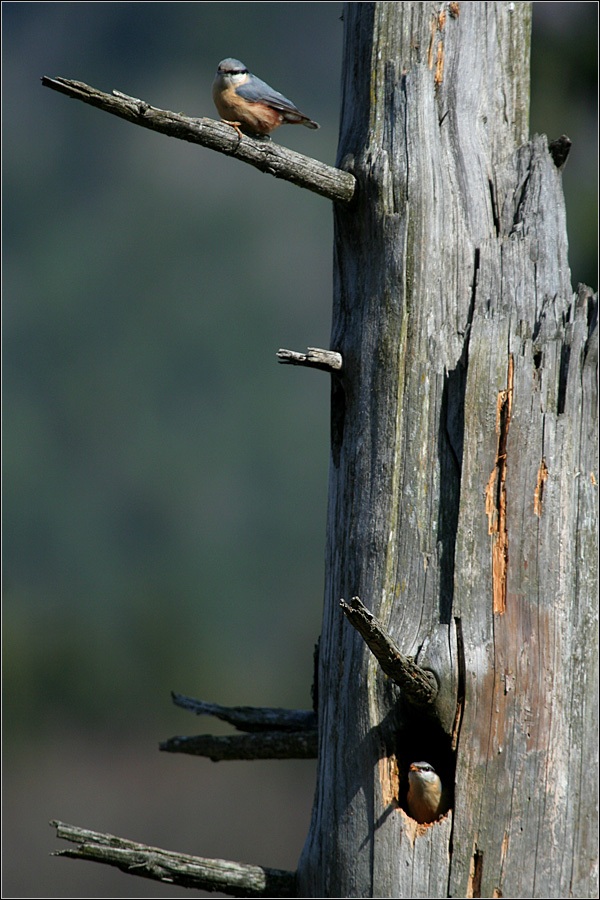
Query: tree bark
462	498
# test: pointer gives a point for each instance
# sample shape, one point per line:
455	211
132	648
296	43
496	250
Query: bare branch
327	360
265	155
251	718
262	745
233	878
419	685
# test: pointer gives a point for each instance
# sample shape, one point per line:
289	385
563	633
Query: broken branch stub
196	872
419	685
251	718
326	360
258	745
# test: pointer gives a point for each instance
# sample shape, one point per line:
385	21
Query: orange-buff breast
256	117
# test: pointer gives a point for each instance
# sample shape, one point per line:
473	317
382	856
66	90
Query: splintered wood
495	496
389	780
539	488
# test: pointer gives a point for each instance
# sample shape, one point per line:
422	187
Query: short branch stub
315	358
419	685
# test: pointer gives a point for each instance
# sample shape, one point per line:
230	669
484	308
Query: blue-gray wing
256	91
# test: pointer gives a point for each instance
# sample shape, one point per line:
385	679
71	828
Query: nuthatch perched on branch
245	101
425	799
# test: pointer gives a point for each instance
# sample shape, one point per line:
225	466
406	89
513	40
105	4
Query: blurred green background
165	481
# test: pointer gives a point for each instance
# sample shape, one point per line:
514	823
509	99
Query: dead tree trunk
462	490
462	499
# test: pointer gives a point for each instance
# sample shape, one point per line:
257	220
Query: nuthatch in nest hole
426	801
245	101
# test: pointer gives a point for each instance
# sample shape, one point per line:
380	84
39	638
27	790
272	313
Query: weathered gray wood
314	358
462	478
251	718
260	745
419	686
265	155
235	879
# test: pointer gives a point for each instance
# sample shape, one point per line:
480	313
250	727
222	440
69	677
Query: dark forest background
165	481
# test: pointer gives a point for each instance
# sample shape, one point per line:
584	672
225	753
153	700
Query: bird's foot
235	125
